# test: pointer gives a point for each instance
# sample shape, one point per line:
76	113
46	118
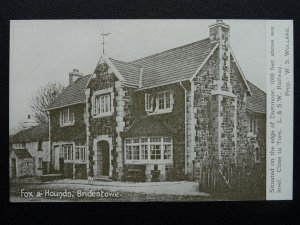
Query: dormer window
162	102
67	117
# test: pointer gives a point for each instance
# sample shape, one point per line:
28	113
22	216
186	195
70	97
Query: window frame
68	158
62	117
82	153
167	101
160	141
96	101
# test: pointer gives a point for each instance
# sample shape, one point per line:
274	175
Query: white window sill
67	124
151	161
160	111
102	115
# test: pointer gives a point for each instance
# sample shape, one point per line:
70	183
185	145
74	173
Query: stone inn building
158	118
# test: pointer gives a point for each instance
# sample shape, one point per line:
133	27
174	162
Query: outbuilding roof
257	102
40	132
22	153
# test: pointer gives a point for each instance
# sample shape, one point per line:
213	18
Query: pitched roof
155	127
175	64
256	102
40	132
72	94
22	153
130	72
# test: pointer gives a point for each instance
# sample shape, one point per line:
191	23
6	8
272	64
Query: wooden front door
103	158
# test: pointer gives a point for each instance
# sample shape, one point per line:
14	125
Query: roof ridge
169	50
128	63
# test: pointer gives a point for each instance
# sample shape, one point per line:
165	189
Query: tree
42	98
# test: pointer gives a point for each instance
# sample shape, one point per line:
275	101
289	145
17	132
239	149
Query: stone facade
206	121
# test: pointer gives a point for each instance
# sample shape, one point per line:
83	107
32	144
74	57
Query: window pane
106	103
155	139
71	116
135	152
77	153
144	140
102	104
168	100
97	104
65	116
136	140
155	152
65	150
144	151
128	152
167	151
161	101
128	141
166	139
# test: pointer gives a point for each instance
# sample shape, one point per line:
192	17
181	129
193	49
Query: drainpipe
185	130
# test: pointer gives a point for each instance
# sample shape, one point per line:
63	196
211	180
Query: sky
43	51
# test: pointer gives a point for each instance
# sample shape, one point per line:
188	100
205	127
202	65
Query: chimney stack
219	32
74	75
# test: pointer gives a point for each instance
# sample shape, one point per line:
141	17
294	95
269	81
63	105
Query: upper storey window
67	117
162	102
102	103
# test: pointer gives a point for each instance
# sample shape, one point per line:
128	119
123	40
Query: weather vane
103	36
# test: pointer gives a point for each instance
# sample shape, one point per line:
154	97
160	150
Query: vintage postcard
151	110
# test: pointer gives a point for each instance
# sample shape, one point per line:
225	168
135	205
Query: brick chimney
74	75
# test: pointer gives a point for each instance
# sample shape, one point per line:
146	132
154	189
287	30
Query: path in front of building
165	188
127	191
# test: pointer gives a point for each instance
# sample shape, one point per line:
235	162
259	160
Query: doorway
103	158
13	168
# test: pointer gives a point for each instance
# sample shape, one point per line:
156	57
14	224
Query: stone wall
113	125
221	119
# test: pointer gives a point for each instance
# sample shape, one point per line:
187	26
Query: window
144	149
40	163
68	152
148	105
102	104
67	117
162	103
80	153
155	152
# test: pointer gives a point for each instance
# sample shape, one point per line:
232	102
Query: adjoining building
163	117
30	152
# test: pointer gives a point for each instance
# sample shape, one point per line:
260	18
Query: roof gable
71	95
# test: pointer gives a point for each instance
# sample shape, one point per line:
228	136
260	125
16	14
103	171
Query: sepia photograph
137	110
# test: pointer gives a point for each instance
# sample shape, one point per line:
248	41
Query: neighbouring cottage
29	152
163	117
